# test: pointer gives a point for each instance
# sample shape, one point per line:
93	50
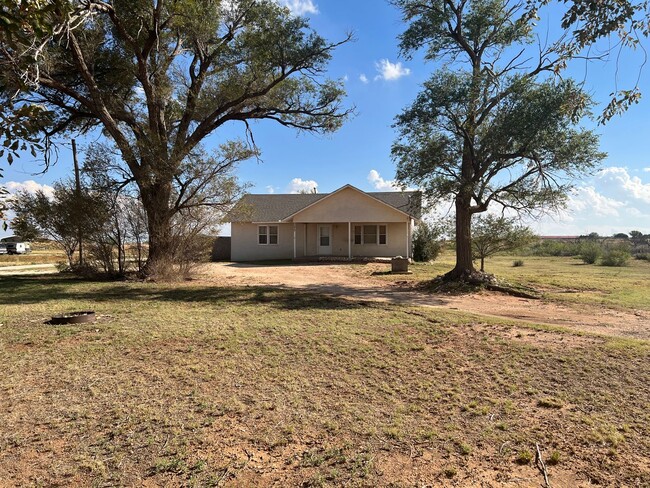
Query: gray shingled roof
275	207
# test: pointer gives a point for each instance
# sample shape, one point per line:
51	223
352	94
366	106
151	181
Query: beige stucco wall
244	246
395	241
349	205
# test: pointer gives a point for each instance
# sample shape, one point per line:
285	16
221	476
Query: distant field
37	256
198	385
563	278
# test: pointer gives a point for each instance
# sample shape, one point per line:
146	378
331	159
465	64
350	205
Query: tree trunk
464	265
482	263
155	200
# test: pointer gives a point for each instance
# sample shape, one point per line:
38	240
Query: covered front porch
351	240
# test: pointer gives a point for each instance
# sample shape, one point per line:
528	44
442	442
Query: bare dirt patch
361	282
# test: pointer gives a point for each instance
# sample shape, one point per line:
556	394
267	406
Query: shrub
426	243
555	248
644	256
518	263
615	257
524	457
590	252
554	458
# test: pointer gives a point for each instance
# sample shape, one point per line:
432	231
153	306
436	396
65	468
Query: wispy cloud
364	79
378	183
299	185
390	71
270	189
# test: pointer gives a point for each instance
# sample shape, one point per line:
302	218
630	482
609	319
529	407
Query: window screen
370	234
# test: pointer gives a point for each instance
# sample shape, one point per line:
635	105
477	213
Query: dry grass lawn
200	385
564	279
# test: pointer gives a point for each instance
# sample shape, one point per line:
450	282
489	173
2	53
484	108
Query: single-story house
347	223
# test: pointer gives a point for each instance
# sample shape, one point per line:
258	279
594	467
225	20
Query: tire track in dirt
357	283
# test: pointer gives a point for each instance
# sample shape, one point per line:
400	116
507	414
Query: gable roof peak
279	207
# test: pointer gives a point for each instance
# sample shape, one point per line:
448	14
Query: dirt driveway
358	283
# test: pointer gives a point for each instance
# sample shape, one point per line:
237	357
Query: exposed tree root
473	281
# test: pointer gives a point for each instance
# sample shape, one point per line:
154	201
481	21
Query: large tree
159	76
487	128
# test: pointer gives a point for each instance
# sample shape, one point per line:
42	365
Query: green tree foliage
426	242
158	77
492	235
625	21
19	122
60	217
487	128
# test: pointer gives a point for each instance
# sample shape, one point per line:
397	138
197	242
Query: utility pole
77	180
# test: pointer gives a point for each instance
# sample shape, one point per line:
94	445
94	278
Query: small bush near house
426	243
615	257
518	263
590	252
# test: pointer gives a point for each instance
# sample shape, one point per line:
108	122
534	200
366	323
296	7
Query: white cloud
299	7
375	179
390	71
647	170
587	198
364	79
631	186
609	203
29	186
270	189
298	185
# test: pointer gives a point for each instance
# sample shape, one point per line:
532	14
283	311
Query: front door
324	240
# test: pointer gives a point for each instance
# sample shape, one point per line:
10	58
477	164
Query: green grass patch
563	279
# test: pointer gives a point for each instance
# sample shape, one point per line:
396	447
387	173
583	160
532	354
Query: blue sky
380	84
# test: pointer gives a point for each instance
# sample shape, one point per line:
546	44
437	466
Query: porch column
295	254
408	237
349	240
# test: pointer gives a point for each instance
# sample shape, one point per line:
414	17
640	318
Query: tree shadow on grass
45	288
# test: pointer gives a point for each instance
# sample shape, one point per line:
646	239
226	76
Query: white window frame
267	234
363	235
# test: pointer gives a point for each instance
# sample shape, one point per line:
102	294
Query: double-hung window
370	234
267	234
